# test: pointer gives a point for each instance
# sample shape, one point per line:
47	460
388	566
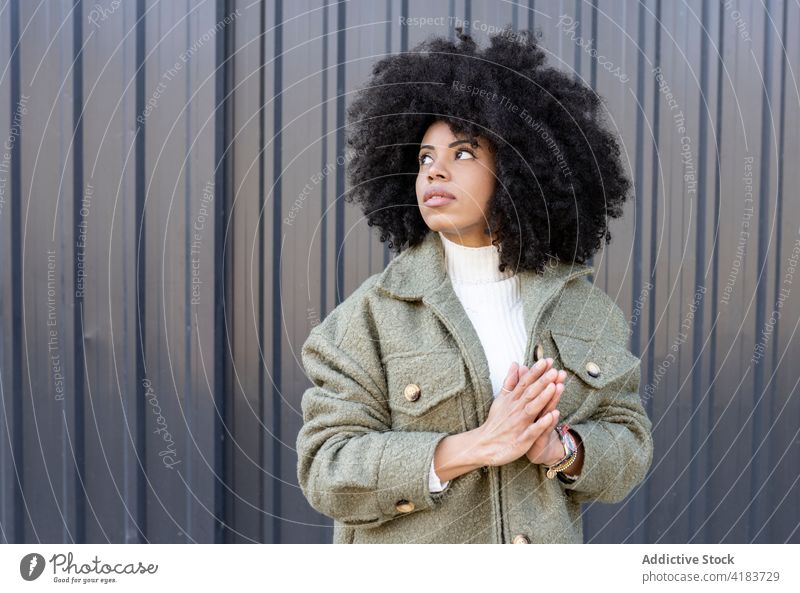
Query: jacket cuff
434	483
403	479
602	460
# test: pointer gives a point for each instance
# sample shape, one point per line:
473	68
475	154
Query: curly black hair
558	169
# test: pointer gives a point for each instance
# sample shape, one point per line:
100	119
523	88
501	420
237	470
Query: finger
562	376
543	424
554	401
532	375
511	380
535	388
534	407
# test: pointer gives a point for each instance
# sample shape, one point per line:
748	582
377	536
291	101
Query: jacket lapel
419	274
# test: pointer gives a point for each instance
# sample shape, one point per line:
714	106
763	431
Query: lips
437	196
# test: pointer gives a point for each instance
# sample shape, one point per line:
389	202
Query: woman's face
455	182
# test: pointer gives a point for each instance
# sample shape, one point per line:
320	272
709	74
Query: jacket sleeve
434	483
617	439
351	465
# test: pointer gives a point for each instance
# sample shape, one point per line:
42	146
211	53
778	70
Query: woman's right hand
513	423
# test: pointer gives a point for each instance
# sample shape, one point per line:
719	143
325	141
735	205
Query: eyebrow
452	144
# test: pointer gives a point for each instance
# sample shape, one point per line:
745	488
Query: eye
464	151
421	158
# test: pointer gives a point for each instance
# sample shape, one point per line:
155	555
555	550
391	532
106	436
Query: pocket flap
586	358
428	378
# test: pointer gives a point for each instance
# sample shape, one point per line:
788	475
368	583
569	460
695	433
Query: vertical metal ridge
773	388
515	15
79	437
697	466
222	108
388	49
576	60
262	135
17	449
651	302
341	49
141	262
188	406
593	63
715	249
323	240
531	13
757	469
638	174
592	74
403	49
276	273
635	508
654	202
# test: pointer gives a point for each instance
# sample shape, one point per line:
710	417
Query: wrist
457	454
482	455
556	451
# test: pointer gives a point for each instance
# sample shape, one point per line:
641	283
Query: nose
437	171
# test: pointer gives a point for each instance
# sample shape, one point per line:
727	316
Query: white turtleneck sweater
493	303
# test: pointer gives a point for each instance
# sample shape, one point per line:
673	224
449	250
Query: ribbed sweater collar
472	265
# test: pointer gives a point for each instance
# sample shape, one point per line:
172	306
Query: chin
439	223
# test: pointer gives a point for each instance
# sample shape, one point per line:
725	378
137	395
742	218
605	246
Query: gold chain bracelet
569	445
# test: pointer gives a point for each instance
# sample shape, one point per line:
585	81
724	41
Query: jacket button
593	369
538	352
412	392
521	539
404	506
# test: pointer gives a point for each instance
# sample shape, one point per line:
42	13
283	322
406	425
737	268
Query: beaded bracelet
552	471
561	475
570	445
570	479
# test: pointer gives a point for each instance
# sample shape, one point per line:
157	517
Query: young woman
479	388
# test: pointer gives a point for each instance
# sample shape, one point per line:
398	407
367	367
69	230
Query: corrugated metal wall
171	227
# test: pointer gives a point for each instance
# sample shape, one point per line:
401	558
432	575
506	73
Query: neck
466	240
472	265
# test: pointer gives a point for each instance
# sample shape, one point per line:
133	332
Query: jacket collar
419	273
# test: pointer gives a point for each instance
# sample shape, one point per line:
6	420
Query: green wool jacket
365	450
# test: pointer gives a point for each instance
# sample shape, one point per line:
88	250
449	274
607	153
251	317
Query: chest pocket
424	391
592	365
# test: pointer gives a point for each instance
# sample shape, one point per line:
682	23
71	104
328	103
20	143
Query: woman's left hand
547	449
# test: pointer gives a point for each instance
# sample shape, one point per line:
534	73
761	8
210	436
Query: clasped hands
523	415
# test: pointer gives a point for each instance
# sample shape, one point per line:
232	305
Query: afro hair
559	175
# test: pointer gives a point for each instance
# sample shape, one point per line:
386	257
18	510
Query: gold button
412	392
592	369
404	506
538	352
521	539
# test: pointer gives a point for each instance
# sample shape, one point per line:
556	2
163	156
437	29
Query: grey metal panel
106	213
615	30
786	496
250	129
164	358
50	402
179	246
302	170
10	329
250	476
